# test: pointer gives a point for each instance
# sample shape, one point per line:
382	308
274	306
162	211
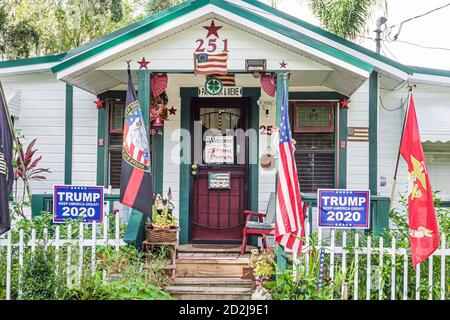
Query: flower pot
260	280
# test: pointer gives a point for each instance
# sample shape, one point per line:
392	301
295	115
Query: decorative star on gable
143	64
212	30
283	65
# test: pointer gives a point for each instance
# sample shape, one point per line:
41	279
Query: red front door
219	193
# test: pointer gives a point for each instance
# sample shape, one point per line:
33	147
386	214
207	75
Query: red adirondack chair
265	226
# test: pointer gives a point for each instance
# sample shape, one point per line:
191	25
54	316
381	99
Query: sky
431	30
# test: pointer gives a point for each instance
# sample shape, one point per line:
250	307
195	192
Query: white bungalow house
53	99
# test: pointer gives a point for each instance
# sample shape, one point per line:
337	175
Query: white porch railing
75	242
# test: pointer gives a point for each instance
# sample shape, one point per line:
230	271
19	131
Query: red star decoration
212	30
99	103
172	111
344	103
283	65
144	63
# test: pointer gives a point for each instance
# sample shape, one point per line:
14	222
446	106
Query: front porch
318	79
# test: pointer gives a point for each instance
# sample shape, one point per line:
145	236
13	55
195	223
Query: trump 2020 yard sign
344	209
75	202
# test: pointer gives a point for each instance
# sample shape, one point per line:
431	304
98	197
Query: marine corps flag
135	179
423	228
6	168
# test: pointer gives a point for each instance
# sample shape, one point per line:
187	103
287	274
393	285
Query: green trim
158	162
135	232
108	97
254	94
431	72
68	137
317	95
38	202
185	168
186	95
101	134
31	61
144	95
281	256
373	133
190	6
330	36
342	152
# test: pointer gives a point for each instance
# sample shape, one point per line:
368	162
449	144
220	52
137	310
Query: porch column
282	85
135	232
373	133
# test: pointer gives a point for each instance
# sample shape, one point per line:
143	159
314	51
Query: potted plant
263	266
164	226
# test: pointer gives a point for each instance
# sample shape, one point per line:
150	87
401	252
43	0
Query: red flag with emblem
423	228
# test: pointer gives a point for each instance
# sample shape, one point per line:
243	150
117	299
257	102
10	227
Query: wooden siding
177	51
42	117
84	164
358	152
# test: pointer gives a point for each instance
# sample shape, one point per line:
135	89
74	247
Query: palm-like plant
346	18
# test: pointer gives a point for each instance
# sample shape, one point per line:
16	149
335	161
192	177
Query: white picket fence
98	238
338	252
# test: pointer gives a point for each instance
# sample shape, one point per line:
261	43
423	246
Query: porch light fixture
255	65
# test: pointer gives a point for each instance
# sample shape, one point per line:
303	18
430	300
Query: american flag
211	63
228	80
289	226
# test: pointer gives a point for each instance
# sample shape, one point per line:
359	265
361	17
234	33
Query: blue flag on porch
6	168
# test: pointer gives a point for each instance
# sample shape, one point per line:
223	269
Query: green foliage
358	265
346	18
44	27
305	286
156	6
40	280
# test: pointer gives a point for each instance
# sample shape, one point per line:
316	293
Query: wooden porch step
218	268
214	282
213	248
209	293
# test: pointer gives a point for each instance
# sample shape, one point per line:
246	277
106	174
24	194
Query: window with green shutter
313	129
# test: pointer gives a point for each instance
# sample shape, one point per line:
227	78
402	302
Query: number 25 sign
343	209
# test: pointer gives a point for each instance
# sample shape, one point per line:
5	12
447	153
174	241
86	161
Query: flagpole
394	180
16	140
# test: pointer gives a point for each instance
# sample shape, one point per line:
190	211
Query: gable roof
263	15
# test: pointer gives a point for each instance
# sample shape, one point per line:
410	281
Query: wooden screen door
219	194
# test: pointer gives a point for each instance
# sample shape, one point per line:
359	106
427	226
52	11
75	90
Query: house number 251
211	46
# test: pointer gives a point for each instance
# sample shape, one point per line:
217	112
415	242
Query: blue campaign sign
346	209
75	202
